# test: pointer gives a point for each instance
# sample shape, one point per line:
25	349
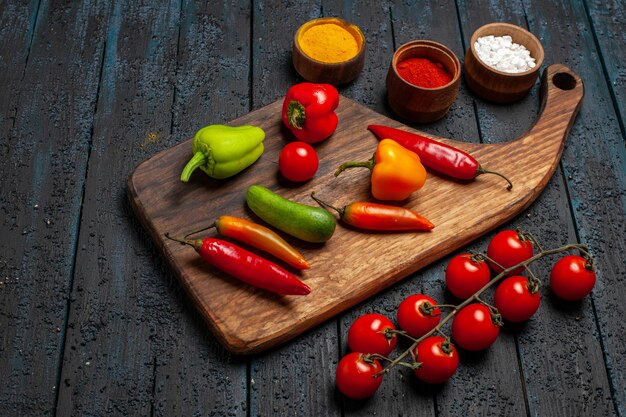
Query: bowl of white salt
502	62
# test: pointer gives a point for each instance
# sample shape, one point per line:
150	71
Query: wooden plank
374	20
120	299
608	19
494	377
594	164
309	359
49	77
212	85
425	21
400	392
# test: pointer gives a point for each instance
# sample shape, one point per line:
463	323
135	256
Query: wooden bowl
317	71
419	104
498	86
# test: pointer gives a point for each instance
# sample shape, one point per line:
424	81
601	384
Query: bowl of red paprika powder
423	81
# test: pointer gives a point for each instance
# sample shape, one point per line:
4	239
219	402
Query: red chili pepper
309	111
258	236
246	266
442	158
374	216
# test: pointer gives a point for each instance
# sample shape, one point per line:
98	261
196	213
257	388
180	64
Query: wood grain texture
312	357
242	317
47	110
594	168
608	19
213	50
401	393
93	278
120	293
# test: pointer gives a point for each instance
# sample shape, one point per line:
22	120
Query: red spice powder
423	72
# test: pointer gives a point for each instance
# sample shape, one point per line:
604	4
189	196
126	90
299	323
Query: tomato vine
475	298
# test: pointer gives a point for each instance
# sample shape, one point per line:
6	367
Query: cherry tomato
354	375
473	328
508	248
570	279
514	300
465	275
413	320
439	360
298	161
367	335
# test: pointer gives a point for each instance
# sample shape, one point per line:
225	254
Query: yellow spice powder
328	43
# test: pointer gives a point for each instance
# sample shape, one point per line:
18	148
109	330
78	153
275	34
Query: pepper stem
296	114
482	170
324	204
196	244
196	161
211	226
367	164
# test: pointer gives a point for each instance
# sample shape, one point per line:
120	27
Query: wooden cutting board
352	265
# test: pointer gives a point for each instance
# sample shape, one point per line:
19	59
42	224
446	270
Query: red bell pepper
309	111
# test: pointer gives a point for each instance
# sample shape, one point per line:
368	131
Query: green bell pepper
223	151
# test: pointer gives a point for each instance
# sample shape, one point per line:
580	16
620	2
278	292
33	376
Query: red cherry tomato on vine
572	278
367	335
514	300
413	320
466	274
439	360
354	375
298	161
508	248
473	329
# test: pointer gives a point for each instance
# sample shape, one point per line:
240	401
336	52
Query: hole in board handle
564	81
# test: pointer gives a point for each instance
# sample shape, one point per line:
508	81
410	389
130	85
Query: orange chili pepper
258	236
374	216
396	171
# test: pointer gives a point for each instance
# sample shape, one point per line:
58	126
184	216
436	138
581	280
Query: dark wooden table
93	321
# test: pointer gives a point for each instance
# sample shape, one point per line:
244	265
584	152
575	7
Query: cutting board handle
561	92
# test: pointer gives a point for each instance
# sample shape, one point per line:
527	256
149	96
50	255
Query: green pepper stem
482	170
324	204
196	161
296	114
367	164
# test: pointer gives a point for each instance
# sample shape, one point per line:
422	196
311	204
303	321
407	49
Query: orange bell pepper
396	171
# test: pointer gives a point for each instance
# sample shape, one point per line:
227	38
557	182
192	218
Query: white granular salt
501	53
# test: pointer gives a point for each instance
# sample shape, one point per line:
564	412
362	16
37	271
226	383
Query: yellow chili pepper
396	171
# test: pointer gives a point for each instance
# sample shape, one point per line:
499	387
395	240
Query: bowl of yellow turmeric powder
328	50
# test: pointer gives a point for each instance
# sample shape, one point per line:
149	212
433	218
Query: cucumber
311	224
